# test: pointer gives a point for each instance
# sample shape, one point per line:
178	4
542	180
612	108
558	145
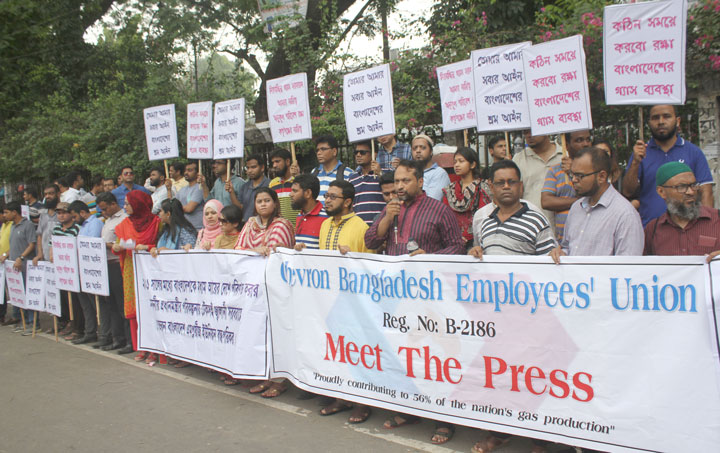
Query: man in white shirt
157	180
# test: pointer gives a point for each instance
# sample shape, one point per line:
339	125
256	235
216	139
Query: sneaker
28	332
18	328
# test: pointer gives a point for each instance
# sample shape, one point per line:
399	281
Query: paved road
56	397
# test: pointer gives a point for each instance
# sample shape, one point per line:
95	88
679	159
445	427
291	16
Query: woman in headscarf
211	225
139	231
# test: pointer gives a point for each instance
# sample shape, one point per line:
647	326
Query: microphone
395	223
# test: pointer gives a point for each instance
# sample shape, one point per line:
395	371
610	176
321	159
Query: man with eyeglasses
557	192
664	146
127	175
687	227
369	201
602	222
329	168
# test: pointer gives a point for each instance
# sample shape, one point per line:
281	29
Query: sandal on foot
334	408
151	358
489	444
261	387
231	381
275	390
360	414
443	433
398	420
141	356
182	364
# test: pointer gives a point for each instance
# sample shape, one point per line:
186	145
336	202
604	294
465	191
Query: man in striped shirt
311	215
369	201
282	183
513	228
330	168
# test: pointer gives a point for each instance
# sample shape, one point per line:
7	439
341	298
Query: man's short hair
122	169
282	153
13	206
308	182
31	191
387	177
503	164
348	190
53	187
329	139
73	176
367	143
599	158
494	141
78	206
191	163
413	165
96	181
257	158
65	181
658	105
179	166
160	171
106	197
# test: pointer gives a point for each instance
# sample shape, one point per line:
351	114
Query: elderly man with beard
665	146
687	227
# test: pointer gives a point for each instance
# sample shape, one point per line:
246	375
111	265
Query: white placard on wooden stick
64	250
199	130
52	294
161	132
457	96
229	129
556	82
501	100
368	102
644	53
15	285
92	262
289	108
35	286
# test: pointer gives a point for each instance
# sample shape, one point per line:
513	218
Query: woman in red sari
139	231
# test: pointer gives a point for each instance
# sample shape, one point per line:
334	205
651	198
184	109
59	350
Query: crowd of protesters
540	201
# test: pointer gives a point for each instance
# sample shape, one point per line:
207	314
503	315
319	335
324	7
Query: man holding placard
391	152
255	169
191	197
223	191
281	161
66	226
164	189
369	201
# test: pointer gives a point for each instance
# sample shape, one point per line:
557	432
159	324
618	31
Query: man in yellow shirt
4	248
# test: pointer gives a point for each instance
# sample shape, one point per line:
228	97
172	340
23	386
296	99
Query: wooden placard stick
72	317
228	171
563	144
167	172
22	318
465	136
97	309
372	148
199	167
292	151
56	329
641	124
508	154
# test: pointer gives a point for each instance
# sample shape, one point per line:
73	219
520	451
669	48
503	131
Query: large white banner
229	129
644	52
457	96
289	108
608	353
92	261
556	82
161	132
207	308
65	259
368	102
52	294
15	285
501	99
199	130
35	286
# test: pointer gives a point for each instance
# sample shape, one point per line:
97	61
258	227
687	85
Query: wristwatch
22	258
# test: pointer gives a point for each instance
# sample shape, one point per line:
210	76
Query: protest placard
65	259
512	344
52	295
457	96
35	286
644	53
289	108
25	211
15	285
199	130
92	262
229	129
207	308
556	82
161	132
368	103
501	100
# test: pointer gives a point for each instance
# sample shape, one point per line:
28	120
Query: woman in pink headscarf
211	223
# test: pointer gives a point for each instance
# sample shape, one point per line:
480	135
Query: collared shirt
326	177
699	237
247	196
369	201
350	231
283	189
435	179
92	227
22	235
46	224
611	227
558	183
533	170
159	195
70	195
401	151
108	231
89	199
121	191
5	238
179	184
428	222
651	204
193	193
219	193
307	229
526	232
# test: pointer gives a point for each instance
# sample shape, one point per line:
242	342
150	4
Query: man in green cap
687	227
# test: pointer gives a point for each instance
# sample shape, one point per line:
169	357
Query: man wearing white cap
435	177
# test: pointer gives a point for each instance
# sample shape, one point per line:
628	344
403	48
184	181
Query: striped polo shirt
283	189
307	229
526	232
369	201
558	183
326	177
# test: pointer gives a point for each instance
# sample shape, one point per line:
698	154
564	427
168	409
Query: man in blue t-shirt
664	146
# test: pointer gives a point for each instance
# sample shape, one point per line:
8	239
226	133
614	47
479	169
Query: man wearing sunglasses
602	222
369	201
